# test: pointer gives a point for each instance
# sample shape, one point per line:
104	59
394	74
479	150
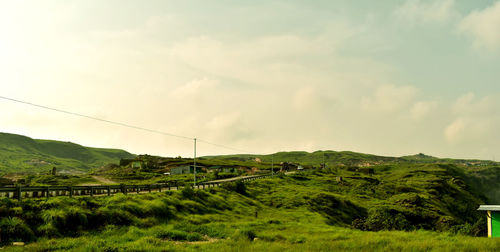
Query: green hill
348	158
22	154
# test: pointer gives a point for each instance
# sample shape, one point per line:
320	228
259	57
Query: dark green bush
178	235
383	219
247	233
337	211
238	186
14	229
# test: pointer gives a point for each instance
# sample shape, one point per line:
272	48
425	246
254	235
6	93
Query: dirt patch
102	180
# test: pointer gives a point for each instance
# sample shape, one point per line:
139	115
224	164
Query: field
20	154
341	201
387	207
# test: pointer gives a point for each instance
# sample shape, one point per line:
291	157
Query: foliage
392	205
14	229
23	154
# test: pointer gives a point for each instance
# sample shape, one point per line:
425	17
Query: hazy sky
382	77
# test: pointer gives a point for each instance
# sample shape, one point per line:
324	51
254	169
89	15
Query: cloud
475	120
417	11
483	27
310	99
421	109
389	98
193	89
454	130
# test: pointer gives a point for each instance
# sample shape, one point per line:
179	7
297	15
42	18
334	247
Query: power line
95	118
118	123
222	146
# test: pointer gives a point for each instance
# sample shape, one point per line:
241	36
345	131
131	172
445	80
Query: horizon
388	79
256	154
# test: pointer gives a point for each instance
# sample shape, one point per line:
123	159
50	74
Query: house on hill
186	169
288	166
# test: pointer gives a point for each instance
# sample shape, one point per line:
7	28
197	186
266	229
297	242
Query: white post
488	220
194	166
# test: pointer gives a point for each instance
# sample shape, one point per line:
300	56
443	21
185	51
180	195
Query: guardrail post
47	192
108	188
149	188
168	184
159	187
18	192
70	188
91	191
137	188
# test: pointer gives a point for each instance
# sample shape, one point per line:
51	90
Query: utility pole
194	166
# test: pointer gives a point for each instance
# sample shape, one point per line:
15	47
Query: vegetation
342	201
21	154
411	207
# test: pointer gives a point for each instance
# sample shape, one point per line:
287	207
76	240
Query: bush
178	235
383	219
64	220
245	234
188	192
14	229
238	186
337	211
115	216
194	237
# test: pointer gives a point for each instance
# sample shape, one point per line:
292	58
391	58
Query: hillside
348	158
23	154
415	207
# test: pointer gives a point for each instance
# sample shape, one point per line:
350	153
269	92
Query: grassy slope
311	159
23	154
301	212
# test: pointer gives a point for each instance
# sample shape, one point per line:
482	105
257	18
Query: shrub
238	186
384	219
337	211
194	237
174	235
64	220
245	234
188	192
115	216
14	229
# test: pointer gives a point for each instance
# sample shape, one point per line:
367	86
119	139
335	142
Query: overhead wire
119	123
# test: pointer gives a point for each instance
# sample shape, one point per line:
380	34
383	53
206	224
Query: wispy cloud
483	27
425	12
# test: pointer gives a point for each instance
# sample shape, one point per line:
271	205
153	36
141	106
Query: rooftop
489	208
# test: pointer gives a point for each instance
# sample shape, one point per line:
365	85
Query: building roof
489	208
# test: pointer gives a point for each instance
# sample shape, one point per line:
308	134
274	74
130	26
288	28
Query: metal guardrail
20	192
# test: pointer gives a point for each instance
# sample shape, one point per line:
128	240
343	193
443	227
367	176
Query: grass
21	154
413	203
272	231
301	212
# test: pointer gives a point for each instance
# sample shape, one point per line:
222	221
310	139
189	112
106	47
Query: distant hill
343	158
348	158
23	154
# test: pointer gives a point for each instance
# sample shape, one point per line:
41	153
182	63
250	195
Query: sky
382	77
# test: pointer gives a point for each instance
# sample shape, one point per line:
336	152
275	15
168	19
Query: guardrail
20	192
